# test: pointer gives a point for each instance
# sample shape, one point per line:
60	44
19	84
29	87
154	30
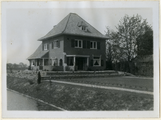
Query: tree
112	48
124	39
22	65
10	67
145	42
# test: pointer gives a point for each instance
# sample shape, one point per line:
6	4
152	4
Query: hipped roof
69	25
39	53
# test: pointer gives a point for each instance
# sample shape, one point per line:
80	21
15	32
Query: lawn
121	81
76	98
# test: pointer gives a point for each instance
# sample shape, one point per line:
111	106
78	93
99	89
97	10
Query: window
55	44
78	43
45	46
82	26
96	61
93	45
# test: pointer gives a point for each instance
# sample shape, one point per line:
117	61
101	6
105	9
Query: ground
72	97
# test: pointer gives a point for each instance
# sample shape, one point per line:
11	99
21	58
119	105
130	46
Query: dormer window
82	26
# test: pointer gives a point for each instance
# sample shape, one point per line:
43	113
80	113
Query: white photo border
154	5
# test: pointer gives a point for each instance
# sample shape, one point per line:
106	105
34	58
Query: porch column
51	62
74	62
35	62
30	62
43	62
64	61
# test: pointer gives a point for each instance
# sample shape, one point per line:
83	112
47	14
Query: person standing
39	78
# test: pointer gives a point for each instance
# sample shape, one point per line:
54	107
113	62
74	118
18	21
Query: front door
80	63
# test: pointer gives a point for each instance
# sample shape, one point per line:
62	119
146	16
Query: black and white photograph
84	59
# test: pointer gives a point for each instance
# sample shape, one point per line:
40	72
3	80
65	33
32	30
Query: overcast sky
24	26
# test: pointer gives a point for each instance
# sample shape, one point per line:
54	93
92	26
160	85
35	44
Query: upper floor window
93	45
86	44
78	43
45	46
55	44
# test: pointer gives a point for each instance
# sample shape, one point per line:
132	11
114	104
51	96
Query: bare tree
124	39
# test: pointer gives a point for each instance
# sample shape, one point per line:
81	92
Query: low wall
77	74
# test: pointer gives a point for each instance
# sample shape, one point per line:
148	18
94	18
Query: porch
77	62
46	64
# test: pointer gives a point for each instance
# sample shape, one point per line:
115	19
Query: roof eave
72	34
42	39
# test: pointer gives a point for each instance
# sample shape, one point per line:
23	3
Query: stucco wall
56	52
69	50
66	48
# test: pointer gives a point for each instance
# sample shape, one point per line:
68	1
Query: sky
25	25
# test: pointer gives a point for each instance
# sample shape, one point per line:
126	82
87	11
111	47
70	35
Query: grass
76	98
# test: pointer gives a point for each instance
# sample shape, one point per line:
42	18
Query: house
72	44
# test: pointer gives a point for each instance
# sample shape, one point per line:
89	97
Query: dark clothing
39	78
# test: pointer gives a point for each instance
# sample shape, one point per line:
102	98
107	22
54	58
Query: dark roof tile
38	53
70	25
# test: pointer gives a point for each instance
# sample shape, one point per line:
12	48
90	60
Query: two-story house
72	44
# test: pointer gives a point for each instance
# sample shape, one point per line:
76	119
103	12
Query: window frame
99	61
45	46
55	42
92	46
79	42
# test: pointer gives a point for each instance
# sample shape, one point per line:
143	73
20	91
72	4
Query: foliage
130	33
14	66
145	42
123	42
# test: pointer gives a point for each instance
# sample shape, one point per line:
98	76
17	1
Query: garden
75	98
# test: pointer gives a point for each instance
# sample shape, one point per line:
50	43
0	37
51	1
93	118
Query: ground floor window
96	61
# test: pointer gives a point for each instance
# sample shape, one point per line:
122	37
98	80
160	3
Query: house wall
55	52
69	50
66	48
